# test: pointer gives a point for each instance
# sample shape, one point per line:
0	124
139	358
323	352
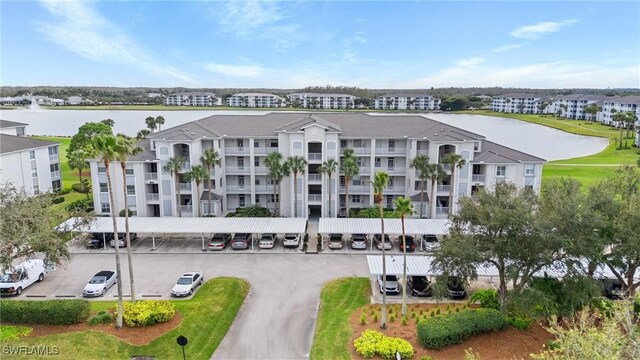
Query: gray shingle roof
416	198
146	154
306	121
205	196
493	153
11	143
406	95
581	97
321	95
623	99
4	124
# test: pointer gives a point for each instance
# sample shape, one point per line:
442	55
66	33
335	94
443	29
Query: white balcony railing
151	176
153	197
442	210
478	177
365	170
315	156
443	188
422	152
53	158
260	170
395	190
263	189
396	170
315	177
186	209
264	150
315	197
391	150
240	188
356	189
359	150
184	186
55	175
235	150
238	170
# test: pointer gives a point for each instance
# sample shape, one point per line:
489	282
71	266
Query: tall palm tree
404	207
159	122
619	117
210	158
349	168
151	123
198	174
329	167
174	166
277	171
126	147
380	182
142	134
435	173
77	160
421	163
297	165
105	148
456	161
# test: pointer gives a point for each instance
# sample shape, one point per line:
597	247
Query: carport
416	227
200	226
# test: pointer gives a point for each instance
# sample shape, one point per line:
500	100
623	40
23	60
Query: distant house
322	101
407	102
154	95
12	128
193	99
255	100
21	100
78	100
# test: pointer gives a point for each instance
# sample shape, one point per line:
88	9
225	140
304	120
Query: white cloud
536	31
507	47
247	71
469	62
79	28
359	37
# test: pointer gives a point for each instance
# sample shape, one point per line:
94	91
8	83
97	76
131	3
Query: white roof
197	225
391	226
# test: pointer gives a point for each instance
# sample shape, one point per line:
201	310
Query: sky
294	44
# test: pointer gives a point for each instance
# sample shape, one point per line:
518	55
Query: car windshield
336	237
290	236
184	281
98	280
431	239
217	239
266	238
9	278
419	280
391	278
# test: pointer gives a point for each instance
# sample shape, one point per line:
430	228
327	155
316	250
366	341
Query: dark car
388	245
419	285
98	241
335	241
219	241
359	241
241	241
411	244
613	289
455	288
342	213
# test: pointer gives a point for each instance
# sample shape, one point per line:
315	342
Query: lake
534	139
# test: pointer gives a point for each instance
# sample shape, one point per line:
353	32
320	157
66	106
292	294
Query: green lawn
339	298
205	320
68	175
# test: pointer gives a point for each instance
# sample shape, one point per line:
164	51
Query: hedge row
443	330
49	312
372	342
148	312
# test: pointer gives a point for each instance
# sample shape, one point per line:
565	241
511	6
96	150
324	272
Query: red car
411	245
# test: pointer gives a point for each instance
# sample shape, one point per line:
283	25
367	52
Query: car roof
190	274
104	273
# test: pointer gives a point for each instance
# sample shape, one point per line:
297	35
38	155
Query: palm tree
435	173
105	148
380	182
174	166
297	165
151	123
456	161
404	207
198	174
421	163
78	161
277	171
619	117
210	158
329	167
630	121
142	134
349	169
159	122
126	147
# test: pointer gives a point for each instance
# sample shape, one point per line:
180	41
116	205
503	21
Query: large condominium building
255	100
322	101
611	105
28	163
407	102
572	106
193	99
517	103
380	143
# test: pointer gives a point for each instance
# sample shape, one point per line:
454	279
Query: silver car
430	242
187	283
359	241
291	240
99	284
267	241
393	286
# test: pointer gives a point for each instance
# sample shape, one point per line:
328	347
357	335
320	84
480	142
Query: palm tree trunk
346	186
404	270
197	201
433	200
177	176
383	316
451	189
295	194
279	198
330	195
115	236
275	210
209	186
421	198
126	231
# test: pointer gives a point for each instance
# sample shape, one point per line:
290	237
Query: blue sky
383	44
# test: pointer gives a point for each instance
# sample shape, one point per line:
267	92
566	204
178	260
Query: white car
393	286
13	281
122	240
267	241
99	284
291	240
187	283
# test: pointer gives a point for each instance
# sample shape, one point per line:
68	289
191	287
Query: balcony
356	189
53	158
359	150
151	176
315	157
263	189
238	188
422	152
443	188
55	175
264	150
315	178
478	177
186	210
235	150
315	198
184	186
391	151
238	170
394	190
153	197
366	170
442	210
395	170
260	170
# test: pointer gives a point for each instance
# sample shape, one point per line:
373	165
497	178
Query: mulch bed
131	335
506	344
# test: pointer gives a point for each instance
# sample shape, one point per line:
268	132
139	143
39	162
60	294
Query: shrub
372	342
102	317
363	319
80	205
80	188
440	331
520	322
11	332
49	312
413	315
487	298
148	312
392	318
404	321
64	191
58	200
375	317
366	344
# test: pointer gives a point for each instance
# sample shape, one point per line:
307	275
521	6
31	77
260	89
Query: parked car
411	244
359	241
393	286
267	241
430	242
241	241
342	213
219	241
291	240
455	288
335	241
420	286
13	281
613	289
121	239
187	283
99	284
377	238
97	240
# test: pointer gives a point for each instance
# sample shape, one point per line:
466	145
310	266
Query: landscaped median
204	320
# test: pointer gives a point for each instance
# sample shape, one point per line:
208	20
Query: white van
13	281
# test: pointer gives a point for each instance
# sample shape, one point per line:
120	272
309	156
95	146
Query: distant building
21	100
154	95
572	106
516	103
78	100
322	101
193	99
619	104
255	100
407	102
28	163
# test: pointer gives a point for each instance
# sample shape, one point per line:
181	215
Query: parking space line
65	296
37	296
154	295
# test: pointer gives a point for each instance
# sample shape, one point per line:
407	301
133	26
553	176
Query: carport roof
391	226
179	225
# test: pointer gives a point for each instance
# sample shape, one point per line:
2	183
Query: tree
174	166
151	123
210	158
110	123
349	168
592	109
404	207
198	174
620	118
455	161
380	182
421	164
105	146
160	121
30	227
77	160
297	165
329	167
86	134
126	147
277	171
435	173
142	134
630	121
562	110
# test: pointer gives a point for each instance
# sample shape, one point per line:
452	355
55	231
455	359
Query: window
377	162
257	199
56	185
241	163
36	189
54	167
131	189
32	155
53	150
274	143
355	198
256	162
104	208
241	202
418	185
256	143
530	170
389	201
331	145
392	145
102	170
342	181
240	144
343	144
391	163
501	171
273	199
128	171
390	181
164	150
357	181
297	145
20	131
103	187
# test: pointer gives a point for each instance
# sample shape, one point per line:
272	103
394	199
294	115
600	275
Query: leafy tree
198	174
455	161
453	104
174	166
160	121
277	171
297	165
110	123
142	134
210	158
404	207
77	160
151	123
593	110
254	210
329	167
349	168
421	164
435	173
380	183
86	134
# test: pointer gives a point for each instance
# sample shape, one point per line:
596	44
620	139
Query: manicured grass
339	298
12	332
205	320
68	175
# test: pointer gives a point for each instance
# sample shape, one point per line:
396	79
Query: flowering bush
372	342
148	312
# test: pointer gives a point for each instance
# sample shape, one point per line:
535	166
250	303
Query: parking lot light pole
104	241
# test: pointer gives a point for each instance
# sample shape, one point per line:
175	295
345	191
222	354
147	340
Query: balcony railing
235	150
260	170
315	156
356	189
153	197
395	170
315	197
315	177
422	152
238	188
53	158
184	186
151	176
55	175
442	210
186	209
264	150
365	170
395	190
238	170
443	188
263	189
478	177
391	150
359	150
